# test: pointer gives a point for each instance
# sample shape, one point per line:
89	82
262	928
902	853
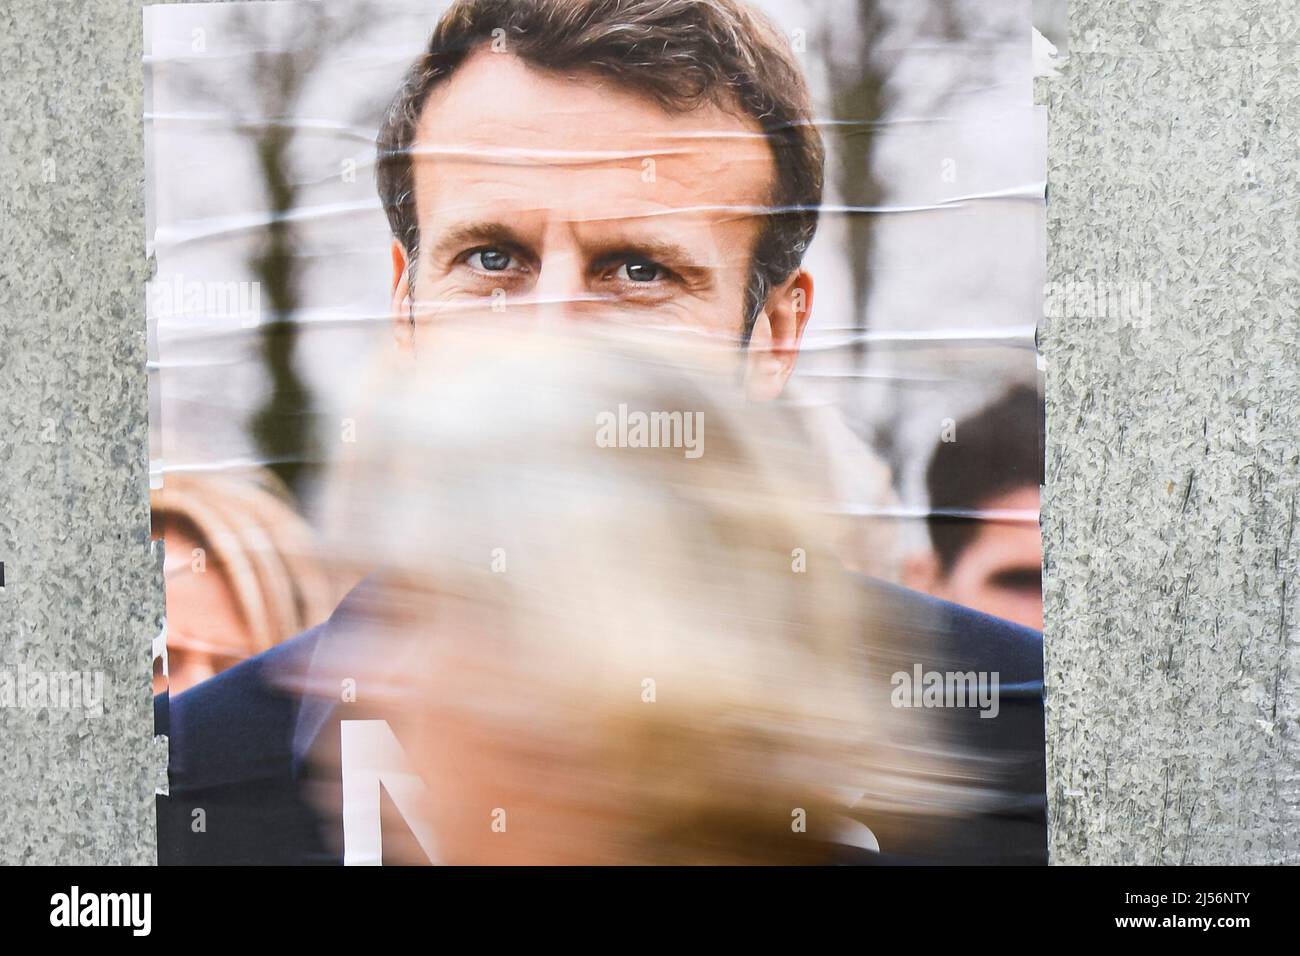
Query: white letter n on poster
372	757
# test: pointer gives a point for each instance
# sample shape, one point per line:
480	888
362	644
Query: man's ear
400	300
778	332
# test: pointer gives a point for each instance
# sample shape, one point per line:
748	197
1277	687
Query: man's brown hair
680	53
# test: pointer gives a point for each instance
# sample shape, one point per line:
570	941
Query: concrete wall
1170	514
82	589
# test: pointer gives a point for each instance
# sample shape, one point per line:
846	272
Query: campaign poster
598	431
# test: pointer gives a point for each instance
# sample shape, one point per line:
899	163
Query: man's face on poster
566	197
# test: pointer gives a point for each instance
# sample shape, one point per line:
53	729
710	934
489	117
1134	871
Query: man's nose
561	291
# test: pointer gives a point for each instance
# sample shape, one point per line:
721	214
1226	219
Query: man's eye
1018	579
639	270
490	260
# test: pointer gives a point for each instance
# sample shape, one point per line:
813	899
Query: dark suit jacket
238	775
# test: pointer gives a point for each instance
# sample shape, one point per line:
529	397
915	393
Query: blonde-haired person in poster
241	572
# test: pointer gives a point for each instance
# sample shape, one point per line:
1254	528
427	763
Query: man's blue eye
640	270
492	260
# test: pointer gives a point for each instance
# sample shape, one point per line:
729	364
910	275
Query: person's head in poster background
651	161
985	545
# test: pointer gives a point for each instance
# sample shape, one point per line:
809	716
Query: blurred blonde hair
608	574
251	533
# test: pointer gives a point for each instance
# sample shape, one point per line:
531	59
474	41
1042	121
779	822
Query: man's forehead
499	120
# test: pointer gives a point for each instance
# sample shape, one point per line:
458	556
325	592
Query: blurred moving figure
240	572
986	547
602	645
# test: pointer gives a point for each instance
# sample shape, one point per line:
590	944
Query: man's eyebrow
465	235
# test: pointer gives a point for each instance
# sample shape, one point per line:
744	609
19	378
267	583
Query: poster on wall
598	431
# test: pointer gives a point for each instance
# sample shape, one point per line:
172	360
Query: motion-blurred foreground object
605	623
241	573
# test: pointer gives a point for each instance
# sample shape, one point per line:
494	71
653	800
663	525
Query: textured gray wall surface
1169	518
83	593
1170	513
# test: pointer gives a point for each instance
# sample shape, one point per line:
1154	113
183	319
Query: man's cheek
451	298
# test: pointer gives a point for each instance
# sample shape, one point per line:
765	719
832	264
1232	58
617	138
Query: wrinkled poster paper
449	561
